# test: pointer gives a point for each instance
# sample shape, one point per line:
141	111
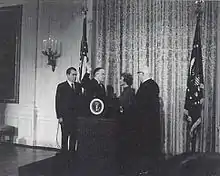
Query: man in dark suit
148	111
94	87
67	108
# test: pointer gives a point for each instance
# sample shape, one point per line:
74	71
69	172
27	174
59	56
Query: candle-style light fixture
51	49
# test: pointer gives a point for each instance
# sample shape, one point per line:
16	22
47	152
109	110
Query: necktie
72	86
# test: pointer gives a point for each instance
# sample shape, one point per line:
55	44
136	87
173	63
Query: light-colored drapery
128	34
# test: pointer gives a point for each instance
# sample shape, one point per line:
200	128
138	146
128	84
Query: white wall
35	114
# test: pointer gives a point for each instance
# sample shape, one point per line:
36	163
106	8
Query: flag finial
84	10
199	1
199	6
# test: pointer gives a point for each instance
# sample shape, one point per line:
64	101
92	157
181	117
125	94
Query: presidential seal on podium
96	106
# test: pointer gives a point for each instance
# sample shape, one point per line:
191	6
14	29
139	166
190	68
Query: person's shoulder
154	83
78	83
62	84
150	81
94	81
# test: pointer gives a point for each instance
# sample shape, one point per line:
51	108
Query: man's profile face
72	76
101	75
122	82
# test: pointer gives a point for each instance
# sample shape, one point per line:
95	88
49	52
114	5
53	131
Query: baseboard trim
38	147
33	147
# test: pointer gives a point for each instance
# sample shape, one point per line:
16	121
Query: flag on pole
83	51
195	83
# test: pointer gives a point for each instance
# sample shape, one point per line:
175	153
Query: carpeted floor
12	157
24	161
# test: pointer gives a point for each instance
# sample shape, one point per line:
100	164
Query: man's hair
68	71
128	78
96	70
145	69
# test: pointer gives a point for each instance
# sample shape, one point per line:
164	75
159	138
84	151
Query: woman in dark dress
125	120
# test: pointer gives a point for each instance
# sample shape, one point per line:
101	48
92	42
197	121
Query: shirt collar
70	83
97	81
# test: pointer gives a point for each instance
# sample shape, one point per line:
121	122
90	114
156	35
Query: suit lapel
69	87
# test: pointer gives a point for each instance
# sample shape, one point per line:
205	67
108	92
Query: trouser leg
72	141
64	140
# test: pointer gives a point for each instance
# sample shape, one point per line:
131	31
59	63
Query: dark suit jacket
127	99
147	98
127	117
67	101
148	112
93	89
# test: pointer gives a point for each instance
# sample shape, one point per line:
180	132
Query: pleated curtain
128	34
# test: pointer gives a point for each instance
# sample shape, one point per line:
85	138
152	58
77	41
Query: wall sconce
52	50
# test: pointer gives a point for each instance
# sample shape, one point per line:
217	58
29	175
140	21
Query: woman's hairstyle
128	78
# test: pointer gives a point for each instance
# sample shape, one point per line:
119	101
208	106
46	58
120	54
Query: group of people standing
70	102
138	113
139	133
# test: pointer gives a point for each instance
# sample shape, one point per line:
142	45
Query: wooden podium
97	137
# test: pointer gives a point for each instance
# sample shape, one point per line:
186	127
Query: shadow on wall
2	113
162	124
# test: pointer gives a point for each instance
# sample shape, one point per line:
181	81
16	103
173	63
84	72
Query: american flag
195	83
83	51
